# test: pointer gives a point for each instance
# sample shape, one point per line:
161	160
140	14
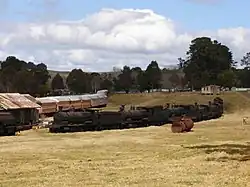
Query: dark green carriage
157	115
15	120
7	123
204	109
177	111
135	118
109	120
74	121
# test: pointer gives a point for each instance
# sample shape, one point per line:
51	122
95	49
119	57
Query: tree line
127	79
206	62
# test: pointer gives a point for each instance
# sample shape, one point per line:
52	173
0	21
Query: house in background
210	90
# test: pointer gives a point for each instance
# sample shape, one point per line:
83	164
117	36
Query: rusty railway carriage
85	120
50	105
17	113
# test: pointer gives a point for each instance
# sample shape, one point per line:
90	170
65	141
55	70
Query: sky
98	35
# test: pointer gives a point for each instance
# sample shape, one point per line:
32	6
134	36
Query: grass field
215	153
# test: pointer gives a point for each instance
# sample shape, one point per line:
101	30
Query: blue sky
190	14
117	37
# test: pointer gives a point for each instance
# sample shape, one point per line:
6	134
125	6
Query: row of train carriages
52	104
20	112
76	113
142	116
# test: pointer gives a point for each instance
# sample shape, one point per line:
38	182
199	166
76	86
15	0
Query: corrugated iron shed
16	101
28	96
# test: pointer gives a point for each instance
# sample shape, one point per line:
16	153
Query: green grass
215	153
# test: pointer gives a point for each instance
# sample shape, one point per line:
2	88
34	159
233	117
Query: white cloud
109	38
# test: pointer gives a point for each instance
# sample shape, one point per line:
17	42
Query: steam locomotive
89	120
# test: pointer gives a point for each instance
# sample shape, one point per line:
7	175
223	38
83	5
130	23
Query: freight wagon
50	105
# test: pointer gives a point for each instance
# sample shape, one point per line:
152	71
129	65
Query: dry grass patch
216	153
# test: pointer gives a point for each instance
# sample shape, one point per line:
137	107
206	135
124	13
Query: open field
216	153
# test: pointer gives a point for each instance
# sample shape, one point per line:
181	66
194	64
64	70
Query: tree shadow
239	152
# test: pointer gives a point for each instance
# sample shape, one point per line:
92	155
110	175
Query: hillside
233	101
64	74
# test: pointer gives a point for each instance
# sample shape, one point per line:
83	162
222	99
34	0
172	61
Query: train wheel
10	131
162	123
53	130
200	118
121	126
1	131
98	128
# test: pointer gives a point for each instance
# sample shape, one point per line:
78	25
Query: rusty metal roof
16	101
28	96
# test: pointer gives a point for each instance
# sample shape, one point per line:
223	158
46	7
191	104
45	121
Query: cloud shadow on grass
238	152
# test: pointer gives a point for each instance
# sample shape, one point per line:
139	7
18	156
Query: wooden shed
24	109
210	90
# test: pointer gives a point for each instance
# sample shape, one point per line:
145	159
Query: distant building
210	90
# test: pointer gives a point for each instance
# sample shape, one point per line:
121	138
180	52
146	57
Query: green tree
22	83
153	76
78	81
134	74
205	60
106	84
175	80
183	81
243	75
29	78
245	61
117	86
125	79
143	82
57	82
40	77
227	78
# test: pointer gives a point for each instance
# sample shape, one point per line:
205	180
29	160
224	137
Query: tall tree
205	61
29	78
227	78
40	79
57	82
153	75
175	80
183	81
125	79
245	61
78	81
106	84
143	82
244	74
134	74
